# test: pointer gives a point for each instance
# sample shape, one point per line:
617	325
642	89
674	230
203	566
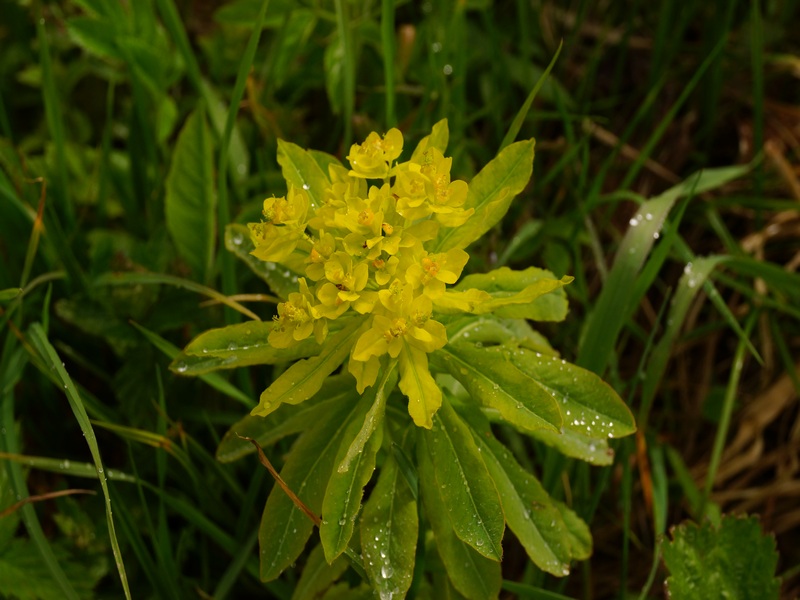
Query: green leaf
373	418
496	383
324	160
612	306
301	170
9	294
472	574
190	202
242	345
529	511
285	528
318	575
490	194
734	561
577	445
97	36
389	531
287	420
281	281
473	505
578	534
438	138
305	377
530	294
346	487
588	405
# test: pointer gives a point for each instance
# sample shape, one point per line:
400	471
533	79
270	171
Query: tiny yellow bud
387	229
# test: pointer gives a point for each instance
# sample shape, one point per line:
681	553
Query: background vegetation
695	323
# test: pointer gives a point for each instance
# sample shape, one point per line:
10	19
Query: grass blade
11	366
39	339
516	124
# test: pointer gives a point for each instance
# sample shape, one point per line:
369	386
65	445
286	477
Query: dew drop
181	367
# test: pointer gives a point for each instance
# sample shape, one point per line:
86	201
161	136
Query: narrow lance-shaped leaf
190	201
242	345
389	530
490	194
529	511
472	574
589	406
318	575
473	506
346	488
285	528
416	382
301	170
492	380
305	377
530	294
374	416
438	138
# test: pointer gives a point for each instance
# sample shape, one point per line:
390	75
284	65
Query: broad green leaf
281	281
530	294
473	505
491	331
305	377
190	201
529	511
318	575
287	420
417	383
346	488
472	574
438	138
9	294
490	194
494	382
97	36
285	528
578	534
734	561
301	170
389	531
374	416
588	404
325	160
245	344
576	445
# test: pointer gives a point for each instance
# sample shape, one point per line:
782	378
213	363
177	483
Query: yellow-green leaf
473	506
490	194
416	382
305	377
190	201
472	574
438	138
492	380
530	294
301	170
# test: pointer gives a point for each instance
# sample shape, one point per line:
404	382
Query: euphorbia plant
404	365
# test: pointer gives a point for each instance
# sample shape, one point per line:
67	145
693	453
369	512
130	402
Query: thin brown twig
38	498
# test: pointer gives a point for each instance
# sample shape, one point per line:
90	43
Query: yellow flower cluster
363	252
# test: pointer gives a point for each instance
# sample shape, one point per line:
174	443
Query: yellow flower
433	271
373	158
297	319
345	281
411	325
283	227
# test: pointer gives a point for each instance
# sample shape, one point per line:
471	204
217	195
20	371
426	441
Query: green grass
93	98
